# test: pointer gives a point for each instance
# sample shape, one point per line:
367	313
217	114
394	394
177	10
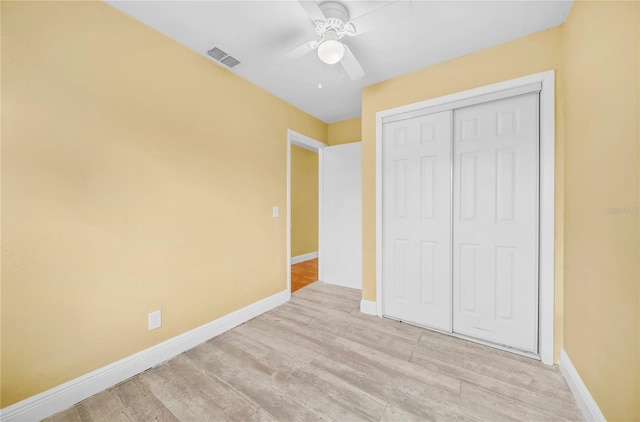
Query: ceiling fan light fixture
331	51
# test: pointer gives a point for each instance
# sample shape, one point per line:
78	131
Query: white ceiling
399	37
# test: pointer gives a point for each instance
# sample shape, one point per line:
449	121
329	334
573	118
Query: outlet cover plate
155	320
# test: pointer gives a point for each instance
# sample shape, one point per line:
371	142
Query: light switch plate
276	212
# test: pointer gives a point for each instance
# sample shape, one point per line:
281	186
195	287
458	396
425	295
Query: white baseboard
66	395
301	258
368	307
585	401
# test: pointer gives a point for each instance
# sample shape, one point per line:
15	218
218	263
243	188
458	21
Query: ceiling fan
332	25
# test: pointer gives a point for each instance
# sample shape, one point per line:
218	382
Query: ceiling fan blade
313	10
300	51
351	65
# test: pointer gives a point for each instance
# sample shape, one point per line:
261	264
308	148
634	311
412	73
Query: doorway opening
304	202
339	211
304	217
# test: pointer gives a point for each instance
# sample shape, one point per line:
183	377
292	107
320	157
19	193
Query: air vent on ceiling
230	61
222	57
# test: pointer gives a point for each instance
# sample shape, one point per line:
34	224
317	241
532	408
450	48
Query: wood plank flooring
303	274
318	358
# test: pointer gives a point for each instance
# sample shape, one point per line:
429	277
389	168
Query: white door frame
295	138
547	188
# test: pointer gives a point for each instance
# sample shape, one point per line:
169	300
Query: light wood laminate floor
303	274
318	358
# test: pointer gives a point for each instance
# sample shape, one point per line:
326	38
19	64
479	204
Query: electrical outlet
155	320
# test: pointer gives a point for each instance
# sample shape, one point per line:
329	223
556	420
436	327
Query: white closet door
417	220
495	222
341	252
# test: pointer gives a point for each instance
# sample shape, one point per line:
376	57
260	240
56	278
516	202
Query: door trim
546	183
295	138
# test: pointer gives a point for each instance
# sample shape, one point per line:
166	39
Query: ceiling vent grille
219	55
230	61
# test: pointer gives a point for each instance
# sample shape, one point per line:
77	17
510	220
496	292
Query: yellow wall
345	132
601	250
1	132
304	201
535	53
136	175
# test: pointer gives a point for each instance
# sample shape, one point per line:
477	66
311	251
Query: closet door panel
495	221
417	220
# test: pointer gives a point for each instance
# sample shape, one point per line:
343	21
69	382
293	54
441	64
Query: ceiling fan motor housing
335	10
337	17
